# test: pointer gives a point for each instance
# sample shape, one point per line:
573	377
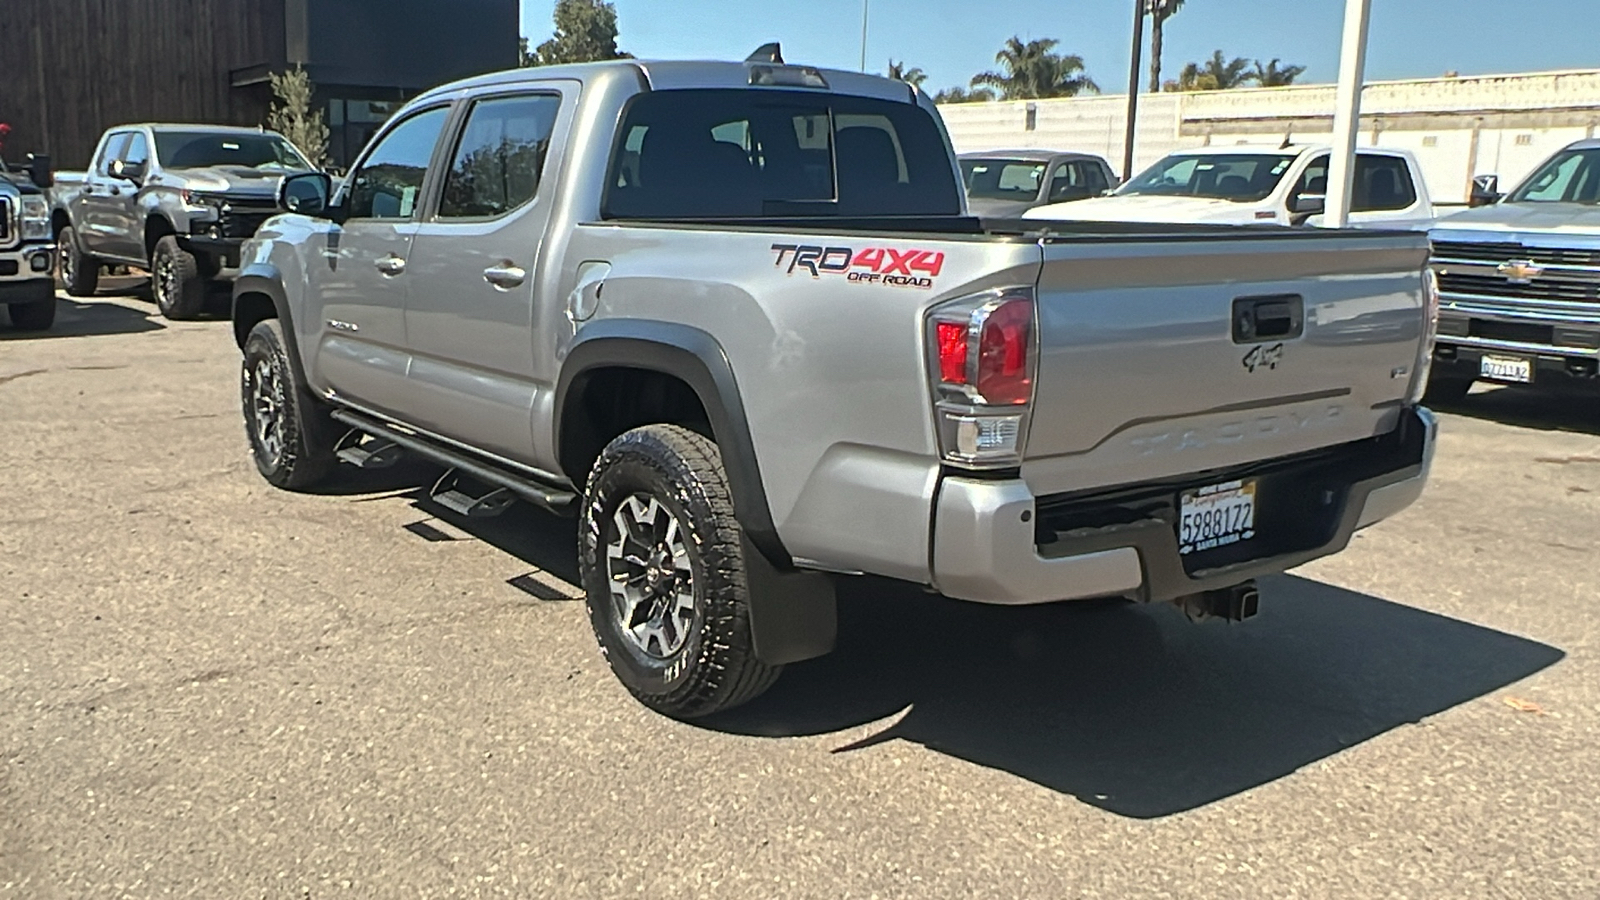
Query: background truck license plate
1216	516
1506	368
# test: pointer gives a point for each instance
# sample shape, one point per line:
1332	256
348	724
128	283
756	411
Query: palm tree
912	76
1215	74
1160	12
1033	72
1270	75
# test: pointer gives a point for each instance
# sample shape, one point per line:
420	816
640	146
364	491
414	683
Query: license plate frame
1505	368
1217	515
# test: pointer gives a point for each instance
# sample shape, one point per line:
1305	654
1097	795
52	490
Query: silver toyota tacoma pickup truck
734	317
175	200
1520	281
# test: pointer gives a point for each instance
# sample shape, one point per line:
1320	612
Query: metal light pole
1347	112
1133	87
865	5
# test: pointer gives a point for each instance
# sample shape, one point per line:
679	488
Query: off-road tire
302	455
38	316
80	272
716	667
175	278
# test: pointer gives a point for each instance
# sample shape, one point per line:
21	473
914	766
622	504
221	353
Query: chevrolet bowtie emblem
1520	271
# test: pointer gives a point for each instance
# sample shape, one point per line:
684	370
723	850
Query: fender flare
259	278
697	359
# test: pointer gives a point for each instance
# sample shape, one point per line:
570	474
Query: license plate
1216	516
1506	368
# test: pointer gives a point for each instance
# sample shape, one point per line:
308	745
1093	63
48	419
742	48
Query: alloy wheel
651	576
266	408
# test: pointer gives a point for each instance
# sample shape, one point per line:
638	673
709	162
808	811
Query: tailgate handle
1277	318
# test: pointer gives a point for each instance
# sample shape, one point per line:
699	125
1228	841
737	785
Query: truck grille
1494	254
1559	275
5	222
1546	288
246	215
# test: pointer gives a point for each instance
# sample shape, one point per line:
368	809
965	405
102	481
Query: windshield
199	150
1241	177
1002	179
1572	176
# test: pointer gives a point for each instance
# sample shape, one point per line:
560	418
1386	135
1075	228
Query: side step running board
364	452
551	497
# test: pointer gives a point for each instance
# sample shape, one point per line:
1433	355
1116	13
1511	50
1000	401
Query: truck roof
194	126
1292	149
682	75
1032	155
1585	144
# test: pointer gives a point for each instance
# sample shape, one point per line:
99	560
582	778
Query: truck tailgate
1144	373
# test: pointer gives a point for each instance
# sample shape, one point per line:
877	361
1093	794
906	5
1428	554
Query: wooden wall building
69	69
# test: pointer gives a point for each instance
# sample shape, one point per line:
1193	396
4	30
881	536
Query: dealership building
1458	126
69	69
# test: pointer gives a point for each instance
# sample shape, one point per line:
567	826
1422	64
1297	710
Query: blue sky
953	39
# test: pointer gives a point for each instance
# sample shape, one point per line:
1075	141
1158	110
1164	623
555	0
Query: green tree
1271	75
1160	12
1215	74
912	76
962	95
1033	71
293	116
585	31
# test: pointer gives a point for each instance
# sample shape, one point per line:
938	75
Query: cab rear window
751	153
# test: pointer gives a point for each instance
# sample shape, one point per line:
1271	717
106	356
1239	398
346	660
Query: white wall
1519	120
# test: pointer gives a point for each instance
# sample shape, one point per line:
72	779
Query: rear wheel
37	316
284	423
664	574
80	272
175	275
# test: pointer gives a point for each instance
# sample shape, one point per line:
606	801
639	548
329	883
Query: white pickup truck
1245	185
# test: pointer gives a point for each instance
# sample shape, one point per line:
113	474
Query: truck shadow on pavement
1131	708
75	318
1547	411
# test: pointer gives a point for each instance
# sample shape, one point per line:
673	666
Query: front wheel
664	574
279	415
37	316
1447	388
80	272
179	287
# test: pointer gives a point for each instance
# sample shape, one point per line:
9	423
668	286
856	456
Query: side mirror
1309	205
308	193
40	171
127	171
1485	191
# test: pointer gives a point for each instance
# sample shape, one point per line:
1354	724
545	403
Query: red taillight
952	352
1004	376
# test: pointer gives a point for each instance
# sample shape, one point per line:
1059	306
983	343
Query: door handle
391	265
505	276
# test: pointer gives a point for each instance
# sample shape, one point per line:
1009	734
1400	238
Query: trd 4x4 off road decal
873	265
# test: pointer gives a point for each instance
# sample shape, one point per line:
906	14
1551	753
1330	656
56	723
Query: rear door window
751	153
1076	180
500	158
1382	183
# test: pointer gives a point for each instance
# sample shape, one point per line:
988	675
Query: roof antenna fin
1288	140
767	53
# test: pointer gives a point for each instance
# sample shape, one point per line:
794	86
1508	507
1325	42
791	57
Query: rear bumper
994	542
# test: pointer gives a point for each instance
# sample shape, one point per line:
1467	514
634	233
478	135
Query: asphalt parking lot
210	688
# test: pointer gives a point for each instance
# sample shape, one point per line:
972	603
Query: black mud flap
794	616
